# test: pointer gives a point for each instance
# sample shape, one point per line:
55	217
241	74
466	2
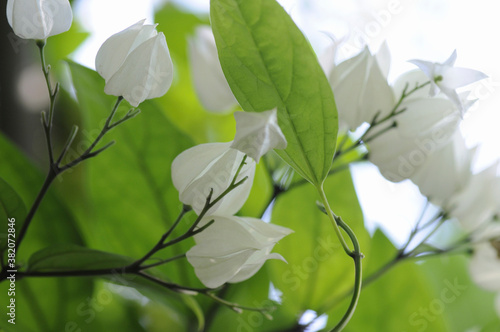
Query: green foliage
318	268
11	207
71	257
41	302
393	301
112	209
268	63
464	304
131	200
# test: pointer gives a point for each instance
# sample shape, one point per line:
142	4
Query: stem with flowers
55	166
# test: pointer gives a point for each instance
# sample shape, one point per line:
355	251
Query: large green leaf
393	302
318	268
131	199
268	63
460	301
72	257
11	209
41	302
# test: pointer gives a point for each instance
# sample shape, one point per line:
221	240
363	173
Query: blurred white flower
446	171
233	249
445	77
360	87
478	202
39	19
485	266
212	166
257	133
209	80
136	64
426	126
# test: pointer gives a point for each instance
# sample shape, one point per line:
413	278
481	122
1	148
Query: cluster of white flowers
135	62
233	248
136	65
421	141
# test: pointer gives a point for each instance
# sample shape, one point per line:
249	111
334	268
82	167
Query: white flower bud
209	80
39	19
257	133
361	89
212	166
136	64
233	249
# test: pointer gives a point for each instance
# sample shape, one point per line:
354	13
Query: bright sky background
421	29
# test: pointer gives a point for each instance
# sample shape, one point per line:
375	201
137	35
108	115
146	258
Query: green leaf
41	302
132	200
318	268
393	302
11	208
72	257
453	288
268	63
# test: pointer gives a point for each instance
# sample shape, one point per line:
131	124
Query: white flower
361	89
426	126
485	266
233	249
209	80
39	19
478	202
446	171
136	64
212	166
257	133
445	77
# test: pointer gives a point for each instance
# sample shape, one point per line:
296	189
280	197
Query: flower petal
426	66
455	77
446	171
216	271
485	267
361	90
116	48
258	133
192	162
38	19
209	80
146	73
202	168
231	250
477	203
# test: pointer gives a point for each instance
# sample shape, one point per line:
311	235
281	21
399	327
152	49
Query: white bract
39	19
361	89
209	80
446	171
212	166
257	133
485	266
445	77
233	249
136	64
426	126
478	202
